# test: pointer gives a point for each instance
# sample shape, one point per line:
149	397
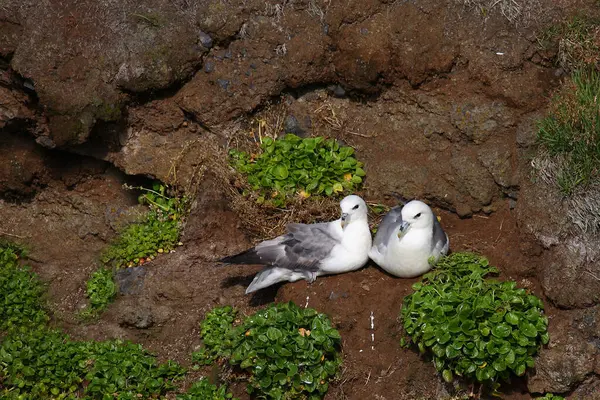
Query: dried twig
368	377
12	235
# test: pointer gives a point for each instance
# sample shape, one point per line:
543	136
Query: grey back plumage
302	248
440	239
388	225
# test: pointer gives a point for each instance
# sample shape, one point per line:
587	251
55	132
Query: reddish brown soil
181	287
451	97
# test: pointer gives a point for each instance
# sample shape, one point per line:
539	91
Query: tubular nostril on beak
344	216
404	226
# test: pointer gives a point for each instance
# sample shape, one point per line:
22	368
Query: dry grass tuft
583	205
577	42
518	12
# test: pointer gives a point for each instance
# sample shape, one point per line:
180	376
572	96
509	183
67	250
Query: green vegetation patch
101	291
291	353
550	396
204	390
20	293
576	42
138	243
39	363
46	364
157	233
292	165
476	328
571	131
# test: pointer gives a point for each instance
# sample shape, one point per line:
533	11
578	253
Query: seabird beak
404	227
344	220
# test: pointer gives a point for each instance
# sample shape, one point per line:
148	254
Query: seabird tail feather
245	257
267	277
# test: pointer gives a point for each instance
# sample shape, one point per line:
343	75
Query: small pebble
205	39
209	67
292	125
337	91
223	83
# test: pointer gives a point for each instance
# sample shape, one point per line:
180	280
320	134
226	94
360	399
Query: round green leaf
528	329
511	318
447	375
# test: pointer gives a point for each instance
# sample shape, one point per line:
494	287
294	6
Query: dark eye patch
355	207
418	215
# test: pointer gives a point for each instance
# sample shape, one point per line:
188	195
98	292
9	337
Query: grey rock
496	158
473	177
570	277
131	280
223	83
588	390
205	39
562	367
463	210
527	131
292	125
209	67
337	91
137	316
477	122
335	296
45	141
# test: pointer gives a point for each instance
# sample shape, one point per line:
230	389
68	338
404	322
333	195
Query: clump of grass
510	9
577	41
571	131
293	166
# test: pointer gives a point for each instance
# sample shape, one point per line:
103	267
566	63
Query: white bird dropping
372	329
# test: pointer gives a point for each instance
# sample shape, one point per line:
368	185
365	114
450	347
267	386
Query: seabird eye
418	215
355	207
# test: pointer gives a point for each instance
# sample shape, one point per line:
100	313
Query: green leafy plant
214	331
292	165
571	131
291	353
43	363
476	328
20	291
40	363
204	390
550	396
157	233
101	290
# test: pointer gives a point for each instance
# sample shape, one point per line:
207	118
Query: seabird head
353	209
415	215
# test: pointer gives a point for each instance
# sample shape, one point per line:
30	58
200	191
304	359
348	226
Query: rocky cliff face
439	98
